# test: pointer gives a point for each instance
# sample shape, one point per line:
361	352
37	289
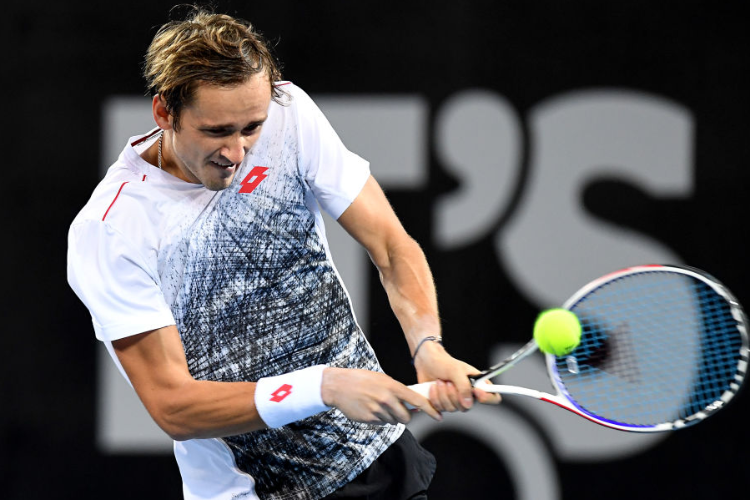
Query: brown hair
205	48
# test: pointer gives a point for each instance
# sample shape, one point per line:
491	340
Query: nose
235	148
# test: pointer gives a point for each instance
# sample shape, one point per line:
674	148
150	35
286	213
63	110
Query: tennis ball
557	331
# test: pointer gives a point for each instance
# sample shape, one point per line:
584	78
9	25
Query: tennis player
202	259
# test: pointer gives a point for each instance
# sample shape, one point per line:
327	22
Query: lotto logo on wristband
282	392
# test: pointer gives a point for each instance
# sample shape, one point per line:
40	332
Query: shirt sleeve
335	174
114	282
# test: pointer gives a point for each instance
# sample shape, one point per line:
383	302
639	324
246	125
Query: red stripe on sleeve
113	201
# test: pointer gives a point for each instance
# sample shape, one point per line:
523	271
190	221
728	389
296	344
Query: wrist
421	346
293	396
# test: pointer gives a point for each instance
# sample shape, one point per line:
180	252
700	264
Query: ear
162	116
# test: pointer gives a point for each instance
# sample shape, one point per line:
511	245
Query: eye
251	129
217	132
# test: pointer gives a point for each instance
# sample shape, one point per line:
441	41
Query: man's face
218	129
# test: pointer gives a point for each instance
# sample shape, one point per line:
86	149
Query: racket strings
721	348
656	347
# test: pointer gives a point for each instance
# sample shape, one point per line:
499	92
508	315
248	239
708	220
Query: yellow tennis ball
557	331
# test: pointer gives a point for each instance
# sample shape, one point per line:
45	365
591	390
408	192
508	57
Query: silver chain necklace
161	137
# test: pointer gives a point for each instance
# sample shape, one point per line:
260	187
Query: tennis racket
662	348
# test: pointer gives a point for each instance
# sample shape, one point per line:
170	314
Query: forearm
214	409
199	409
210	409
408	282
182	406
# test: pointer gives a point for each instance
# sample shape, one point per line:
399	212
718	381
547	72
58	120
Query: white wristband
290	397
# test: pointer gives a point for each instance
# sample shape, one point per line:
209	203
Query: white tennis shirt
246	275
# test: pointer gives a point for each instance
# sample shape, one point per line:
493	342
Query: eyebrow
221	127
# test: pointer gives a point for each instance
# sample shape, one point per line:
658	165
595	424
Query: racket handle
422	389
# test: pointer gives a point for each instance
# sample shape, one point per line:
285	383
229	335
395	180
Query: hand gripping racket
662	348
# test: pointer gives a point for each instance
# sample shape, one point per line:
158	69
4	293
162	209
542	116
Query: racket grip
422	389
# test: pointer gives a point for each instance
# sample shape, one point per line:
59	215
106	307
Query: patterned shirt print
256	295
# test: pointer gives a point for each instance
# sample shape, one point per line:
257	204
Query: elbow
173	420
178	432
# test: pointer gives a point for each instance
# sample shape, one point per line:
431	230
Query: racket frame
564	400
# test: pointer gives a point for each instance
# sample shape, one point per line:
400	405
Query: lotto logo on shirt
251	181
282	392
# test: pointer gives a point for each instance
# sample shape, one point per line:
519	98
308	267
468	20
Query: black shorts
402	472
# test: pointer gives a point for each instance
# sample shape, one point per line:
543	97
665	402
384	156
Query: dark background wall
64	59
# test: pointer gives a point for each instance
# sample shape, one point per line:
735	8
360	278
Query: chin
217	179
218	184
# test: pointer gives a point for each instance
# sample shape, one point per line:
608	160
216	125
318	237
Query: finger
487	398
458	400
418	401
400	413
446	396
465	393
383	417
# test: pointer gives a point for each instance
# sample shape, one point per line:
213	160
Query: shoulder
287	91
293	98
127	175
119	192
128	204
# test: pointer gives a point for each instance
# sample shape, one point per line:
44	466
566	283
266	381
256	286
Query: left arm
408	282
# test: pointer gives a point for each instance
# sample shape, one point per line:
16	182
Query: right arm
186	408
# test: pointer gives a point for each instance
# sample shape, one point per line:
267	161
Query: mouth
224	166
